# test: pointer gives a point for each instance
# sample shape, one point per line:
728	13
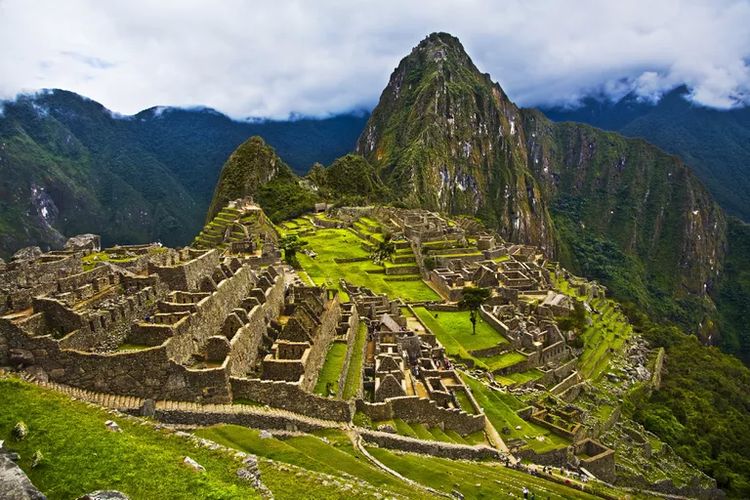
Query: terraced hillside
238	224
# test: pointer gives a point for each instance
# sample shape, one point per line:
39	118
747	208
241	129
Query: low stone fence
412	409
246	418
558	457
290	397
434	448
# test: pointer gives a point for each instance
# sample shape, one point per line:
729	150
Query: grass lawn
472	479
312	453
453	330
354	375
501	409
504	360
83	456
519	377
464	402
331	370
330	244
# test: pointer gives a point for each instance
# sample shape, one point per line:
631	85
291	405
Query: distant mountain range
714	143
68	165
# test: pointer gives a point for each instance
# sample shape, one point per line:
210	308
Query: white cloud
273	58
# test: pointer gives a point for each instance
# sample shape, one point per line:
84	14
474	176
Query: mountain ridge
134	179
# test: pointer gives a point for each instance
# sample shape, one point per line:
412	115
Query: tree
383	250
291	244
472	299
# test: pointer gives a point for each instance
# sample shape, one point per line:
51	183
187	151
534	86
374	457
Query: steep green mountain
66	171
444	136
68	165
631	215
715	143
255	170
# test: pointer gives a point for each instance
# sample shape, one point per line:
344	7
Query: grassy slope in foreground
81	455
337	456
311	452
472	479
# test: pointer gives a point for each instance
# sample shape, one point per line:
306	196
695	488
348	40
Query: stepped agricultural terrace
223	332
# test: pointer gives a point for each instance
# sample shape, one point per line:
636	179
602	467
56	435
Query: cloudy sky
276	58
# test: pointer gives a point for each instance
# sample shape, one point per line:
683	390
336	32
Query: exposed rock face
445	137
84	242
27	253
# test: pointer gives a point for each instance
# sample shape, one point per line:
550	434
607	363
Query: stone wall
290	397
259	420
434	448
188	275
600	460
147	373
557	458
246	341
412	409
211	313
4	361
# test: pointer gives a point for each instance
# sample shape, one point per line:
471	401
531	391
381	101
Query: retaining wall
290	396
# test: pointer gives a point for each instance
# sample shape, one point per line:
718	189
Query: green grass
519	377
464	402
453	330
82	455
330	244
354	375
331	370
504	360
310	452
472	479
606	334
91	260
501	409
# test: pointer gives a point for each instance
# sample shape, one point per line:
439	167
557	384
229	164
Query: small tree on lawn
291	244
472	299
383	250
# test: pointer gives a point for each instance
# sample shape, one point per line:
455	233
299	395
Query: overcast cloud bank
276	58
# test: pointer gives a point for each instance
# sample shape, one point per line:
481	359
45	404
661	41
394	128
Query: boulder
112	426
28	253
104	495
14	484
264	434
21	357
90	242
193	464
